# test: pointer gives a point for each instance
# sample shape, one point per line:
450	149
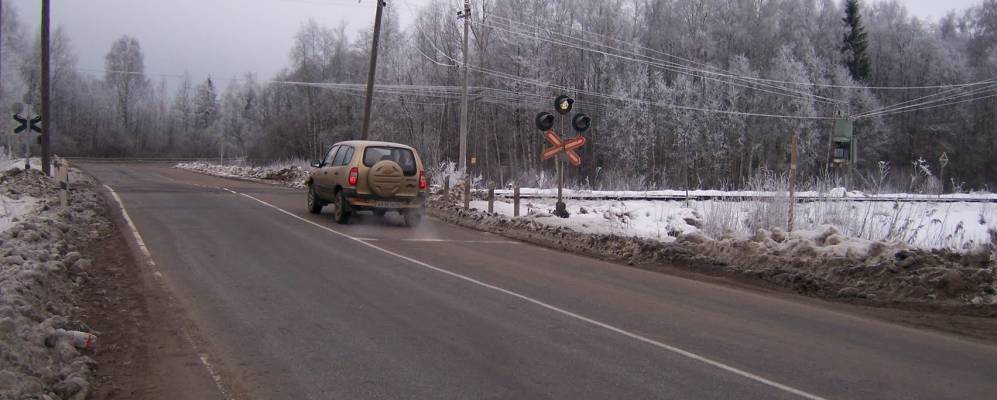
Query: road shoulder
146	351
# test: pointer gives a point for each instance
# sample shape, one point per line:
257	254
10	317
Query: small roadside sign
25	124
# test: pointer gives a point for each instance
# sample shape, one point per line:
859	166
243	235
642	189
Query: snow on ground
949	225
291	174
40	269
648	219
13	210
835	193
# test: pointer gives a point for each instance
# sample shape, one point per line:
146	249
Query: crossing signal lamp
563	104
545	121
581	123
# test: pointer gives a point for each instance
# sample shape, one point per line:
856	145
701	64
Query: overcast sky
227	38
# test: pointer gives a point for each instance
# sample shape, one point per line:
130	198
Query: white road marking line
644	339
131	226
152	263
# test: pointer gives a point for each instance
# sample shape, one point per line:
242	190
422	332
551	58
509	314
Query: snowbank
288	175
959	226
663	221
40	270
13	209
820	262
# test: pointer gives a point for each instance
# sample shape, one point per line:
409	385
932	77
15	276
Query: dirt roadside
143	351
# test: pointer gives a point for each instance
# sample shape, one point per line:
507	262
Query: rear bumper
371	202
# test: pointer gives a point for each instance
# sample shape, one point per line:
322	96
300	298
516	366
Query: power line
744	77
908	104
930	104
645	102
798	96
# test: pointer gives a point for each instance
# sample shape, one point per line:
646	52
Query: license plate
388	204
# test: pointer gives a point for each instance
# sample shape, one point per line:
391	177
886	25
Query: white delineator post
62	176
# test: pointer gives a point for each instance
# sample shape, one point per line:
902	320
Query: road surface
292	305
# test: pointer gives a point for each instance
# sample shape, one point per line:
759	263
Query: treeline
682	92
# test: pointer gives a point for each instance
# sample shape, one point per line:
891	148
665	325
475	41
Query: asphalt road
292	305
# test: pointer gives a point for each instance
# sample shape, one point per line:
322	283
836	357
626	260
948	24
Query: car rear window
404	157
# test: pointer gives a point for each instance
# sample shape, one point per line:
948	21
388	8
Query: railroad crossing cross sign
24	124
566	146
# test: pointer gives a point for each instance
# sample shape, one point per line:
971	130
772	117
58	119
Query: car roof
372	143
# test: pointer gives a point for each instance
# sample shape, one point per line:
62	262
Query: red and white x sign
567	146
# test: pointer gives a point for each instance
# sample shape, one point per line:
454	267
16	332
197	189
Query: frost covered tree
125	75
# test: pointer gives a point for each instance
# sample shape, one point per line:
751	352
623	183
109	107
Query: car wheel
314	204
413	218
342	215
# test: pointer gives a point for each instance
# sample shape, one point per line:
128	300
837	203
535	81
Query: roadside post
467	190
491	199
446	189
62	176
515	201
64	182
942	162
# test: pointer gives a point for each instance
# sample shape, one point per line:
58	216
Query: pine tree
855	43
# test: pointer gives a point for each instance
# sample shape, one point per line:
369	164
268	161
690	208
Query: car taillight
423	184
354	174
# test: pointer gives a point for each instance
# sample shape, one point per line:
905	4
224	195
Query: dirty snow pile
40	270
820	261
288	175
663	221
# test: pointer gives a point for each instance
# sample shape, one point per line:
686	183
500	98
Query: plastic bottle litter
81	340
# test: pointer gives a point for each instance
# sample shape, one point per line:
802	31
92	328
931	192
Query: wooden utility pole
368	102
466	15
46	115
792	182
1	46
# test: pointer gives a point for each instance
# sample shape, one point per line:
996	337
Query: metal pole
792	183
46	115
464	95
560	209
371	71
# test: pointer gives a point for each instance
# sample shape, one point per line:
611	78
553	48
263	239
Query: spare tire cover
385	178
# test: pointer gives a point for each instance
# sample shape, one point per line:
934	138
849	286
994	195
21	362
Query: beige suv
369	176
